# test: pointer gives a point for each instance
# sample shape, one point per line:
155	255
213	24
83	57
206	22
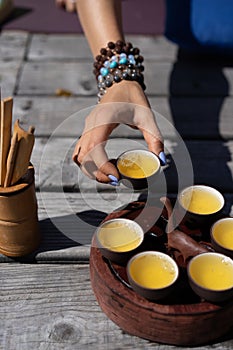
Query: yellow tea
138	164
152	271
212	271
223	232
119	236
201	200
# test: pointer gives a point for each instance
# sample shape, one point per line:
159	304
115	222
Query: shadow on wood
203	76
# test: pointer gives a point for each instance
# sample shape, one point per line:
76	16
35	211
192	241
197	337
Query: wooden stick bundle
15	150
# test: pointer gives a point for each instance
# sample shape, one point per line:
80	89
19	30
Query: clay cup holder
19	229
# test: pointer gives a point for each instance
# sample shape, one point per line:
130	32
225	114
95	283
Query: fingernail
163	158
114	183
113	178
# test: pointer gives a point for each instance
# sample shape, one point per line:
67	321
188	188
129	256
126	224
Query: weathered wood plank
13	45
69	220
44	78
58	47
212	163
74	47
214	114
53	307
61	114
8	77
162	78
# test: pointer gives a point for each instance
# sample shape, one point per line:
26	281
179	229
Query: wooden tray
183	319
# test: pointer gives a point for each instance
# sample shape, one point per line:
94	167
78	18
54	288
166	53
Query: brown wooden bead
120	43
98	58
140	59
110	53
129	45
97	65
125	49
103	51
136	51
104	58
118	49
111	45
141	68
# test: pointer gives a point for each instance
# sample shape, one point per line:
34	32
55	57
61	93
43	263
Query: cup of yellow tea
201	204
138	167
118	239
152	274
211	276
221	234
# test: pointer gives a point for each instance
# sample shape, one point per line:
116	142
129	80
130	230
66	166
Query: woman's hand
123	103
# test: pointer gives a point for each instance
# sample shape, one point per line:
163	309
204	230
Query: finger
155	144
70	5
95	163
76	154
110	170
90	169
151	133
101	177
106	168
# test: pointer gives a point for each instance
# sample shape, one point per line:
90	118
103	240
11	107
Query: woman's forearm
101	22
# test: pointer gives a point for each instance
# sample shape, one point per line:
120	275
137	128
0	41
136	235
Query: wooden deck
46	298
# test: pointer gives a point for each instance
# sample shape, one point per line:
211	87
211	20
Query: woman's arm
101	22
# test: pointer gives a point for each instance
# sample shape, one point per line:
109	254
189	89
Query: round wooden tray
182	319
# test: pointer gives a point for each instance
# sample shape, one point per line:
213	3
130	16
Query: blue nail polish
113	178
163	158
114	183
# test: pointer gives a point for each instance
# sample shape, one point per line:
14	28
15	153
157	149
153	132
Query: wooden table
46	298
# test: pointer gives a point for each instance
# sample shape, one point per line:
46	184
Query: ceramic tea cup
138	167
152	274
221	234
200	204
118	239
211	276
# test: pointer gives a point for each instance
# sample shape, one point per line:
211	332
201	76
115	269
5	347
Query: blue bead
114	58
113	64
132	61
123	60
122	55
106	64
131	57
104	71
100	78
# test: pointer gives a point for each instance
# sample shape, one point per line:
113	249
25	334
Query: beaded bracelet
118	61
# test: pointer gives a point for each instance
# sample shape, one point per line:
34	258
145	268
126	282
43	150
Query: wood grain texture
25	140
6	121
68	221
13	45
57	170
162	78
53	307
75	47
8	76
214	114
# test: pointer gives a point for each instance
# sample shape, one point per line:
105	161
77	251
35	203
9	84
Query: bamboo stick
5	131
